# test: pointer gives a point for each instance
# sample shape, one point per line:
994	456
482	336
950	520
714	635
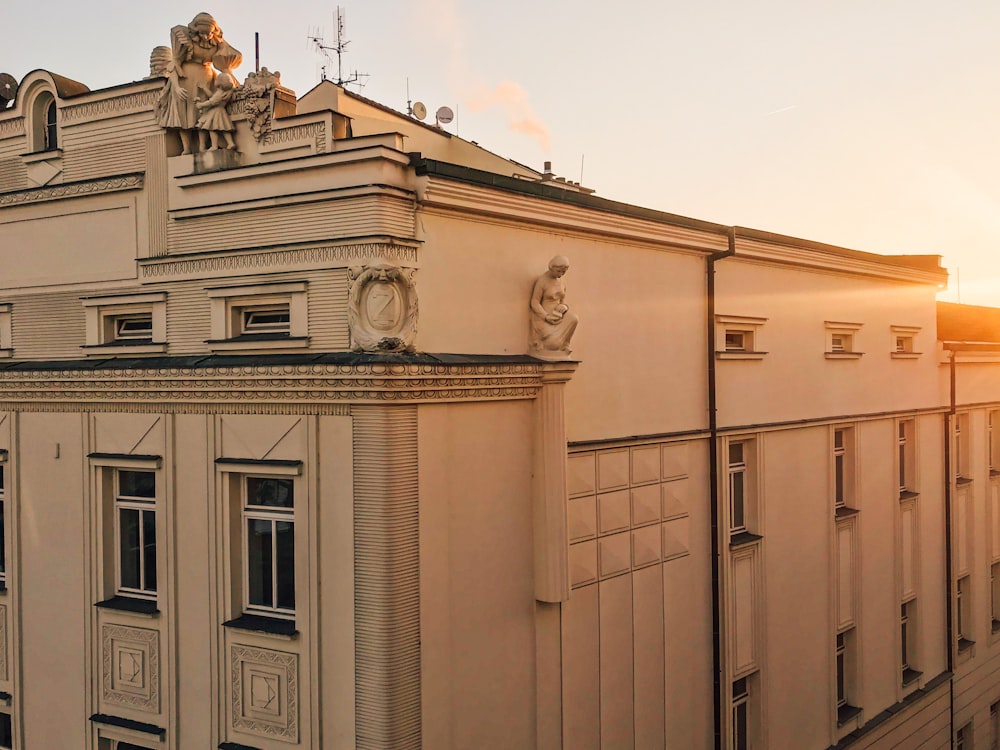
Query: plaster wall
477	591
794	380
641	333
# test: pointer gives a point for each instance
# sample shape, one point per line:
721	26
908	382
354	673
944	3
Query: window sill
964	644
846	713
134	605
910	676
845	512
905	355
963	481
274	626
908	495
258	341
843	355
124	348
6	353
994	473
236	746
37	156
135	726
996	626
742	539
740	355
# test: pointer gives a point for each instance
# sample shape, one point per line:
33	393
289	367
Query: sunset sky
871	124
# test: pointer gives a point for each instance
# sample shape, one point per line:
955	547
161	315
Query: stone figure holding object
195	49
214	119
552	324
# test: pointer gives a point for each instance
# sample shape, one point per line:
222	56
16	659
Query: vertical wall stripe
156	193
386	578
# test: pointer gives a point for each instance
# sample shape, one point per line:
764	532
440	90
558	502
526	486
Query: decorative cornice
246	260
125	104
306	131
72	190
256	388
12	127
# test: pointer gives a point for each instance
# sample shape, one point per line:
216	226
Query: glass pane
840	479
128	542
740	727
902	466
149	549
902	639
137	483
260	547
841	689
269	492
3	543
1	477
6	736
736	500
285	539
735	453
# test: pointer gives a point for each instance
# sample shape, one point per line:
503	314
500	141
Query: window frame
229	304
845	668
964	625
907	336
847	335
906	462
844	468
274	516
103	314
747	327
962	452
743	474
143	506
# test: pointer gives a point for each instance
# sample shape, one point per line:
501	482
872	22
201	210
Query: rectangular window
907	641
840	342
3	531
995	596
904	344
843	468
963	614
963	738
739	341
990	447
135	537
6	733
995	726
737	486
962	453
265	319
741	715
269	545
905	457
845	661
138	327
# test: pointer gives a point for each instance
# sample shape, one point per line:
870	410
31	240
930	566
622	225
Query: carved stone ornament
257	94
382	308
552	323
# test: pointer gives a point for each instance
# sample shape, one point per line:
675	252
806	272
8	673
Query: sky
869	124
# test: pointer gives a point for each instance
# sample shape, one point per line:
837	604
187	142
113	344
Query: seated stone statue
552	324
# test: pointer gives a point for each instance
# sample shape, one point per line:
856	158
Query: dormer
39	102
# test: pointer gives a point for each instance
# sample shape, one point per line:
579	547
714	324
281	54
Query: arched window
51	135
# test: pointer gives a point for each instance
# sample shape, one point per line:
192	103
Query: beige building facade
290	458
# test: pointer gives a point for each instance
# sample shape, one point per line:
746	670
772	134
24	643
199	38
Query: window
125	325
903	342
738	337
995	726
135	533
738	486
6	331
907	642
993	419
841	340
995	596
963	614
262	316
6	733
44	123
269	545
962	454
905	457
963	738
741	717
843	469
3	530
845	658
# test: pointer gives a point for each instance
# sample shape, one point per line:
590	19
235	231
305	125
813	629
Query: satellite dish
444	115
419	110
8	89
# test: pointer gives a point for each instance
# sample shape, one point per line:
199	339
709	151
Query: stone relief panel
130	667
382	308
265	692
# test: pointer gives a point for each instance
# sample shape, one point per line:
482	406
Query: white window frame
748	470
749	327
908	643
6	331
995	597
906	464
740	703
142	505
846	688
844	470
847	336
229	303
274	516
963	613
903	342
103	313
962	435
4	521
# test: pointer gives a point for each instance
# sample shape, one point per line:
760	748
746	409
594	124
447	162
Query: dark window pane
839	473
149	549
736	488
128	523
260	586
3	544
137	483
285	539
841	687
735	453
1	477
902	466
740	727
271	493
6	736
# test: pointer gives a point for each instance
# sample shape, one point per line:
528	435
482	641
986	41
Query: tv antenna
339	48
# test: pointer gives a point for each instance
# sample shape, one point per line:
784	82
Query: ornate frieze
312	130
265	692
12	127
72	190
130	667
220	389
271	259
126	104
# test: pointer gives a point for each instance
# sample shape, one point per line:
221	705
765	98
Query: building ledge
742	539
843	355
846	712
908	495
846	512
741	355
130	604
236	746
963	481
910	676
906	355
261	624
964	644
135	726
124	348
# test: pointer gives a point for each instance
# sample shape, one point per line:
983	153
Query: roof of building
968	323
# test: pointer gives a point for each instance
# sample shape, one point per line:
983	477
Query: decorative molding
12	127
323	410
253	261
72	190
382	308
262	387
130	667
126	104
312	130
265	692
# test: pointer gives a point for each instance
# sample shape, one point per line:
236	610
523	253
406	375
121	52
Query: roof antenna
339	49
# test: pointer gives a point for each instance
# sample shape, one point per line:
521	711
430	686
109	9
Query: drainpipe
949	582
713	479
